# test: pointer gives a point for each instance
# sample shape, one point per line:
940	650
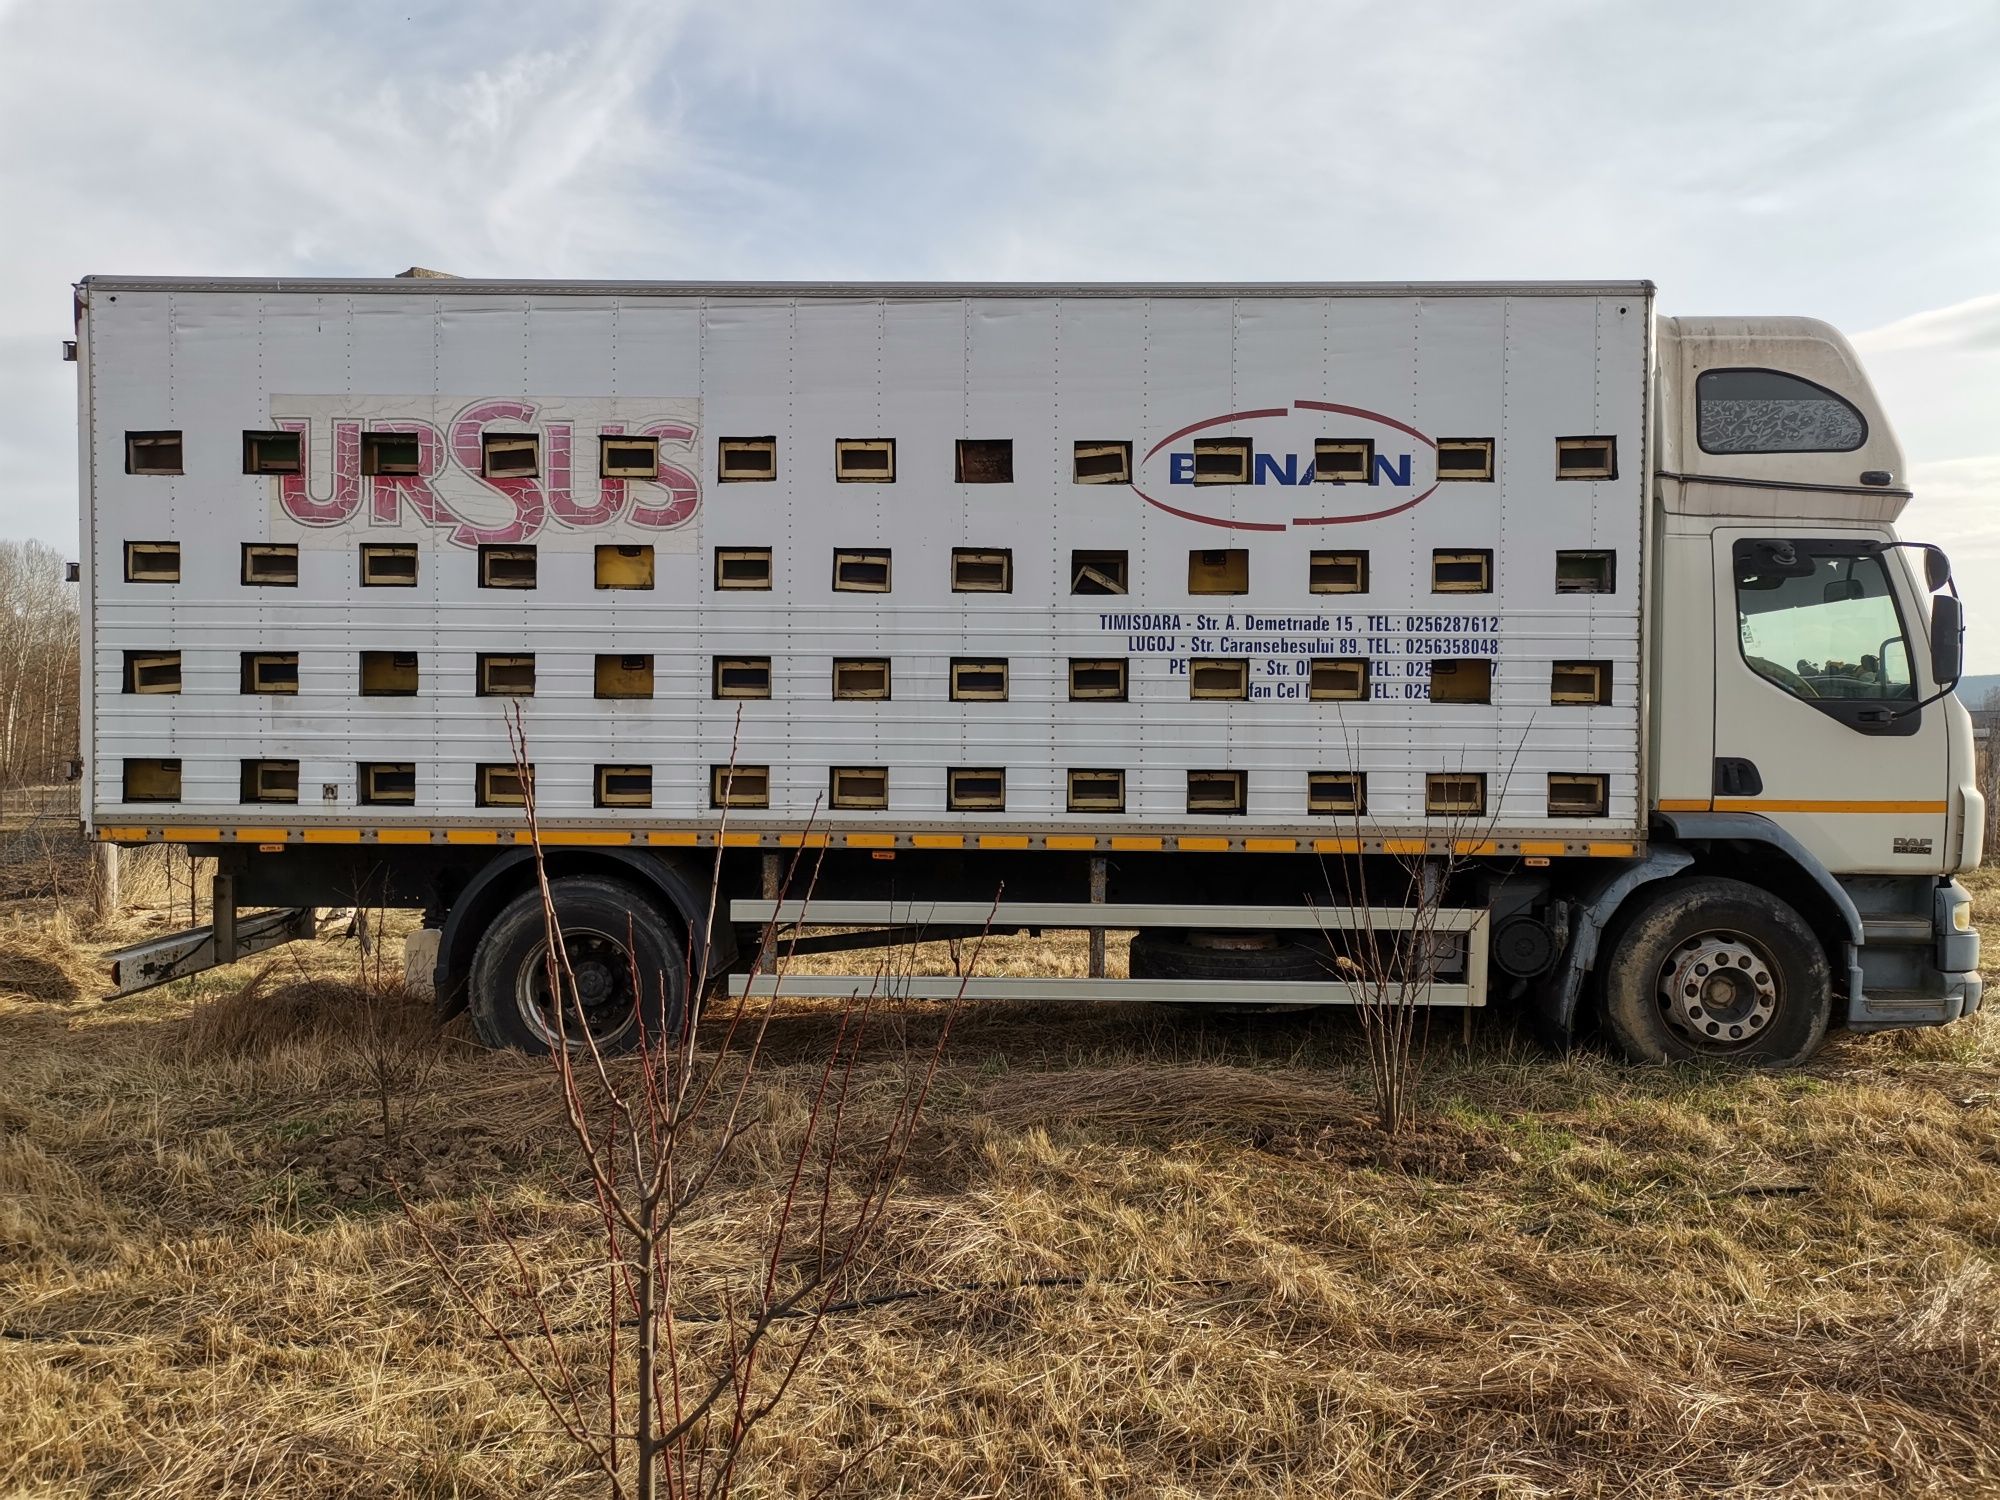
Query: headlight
1961	915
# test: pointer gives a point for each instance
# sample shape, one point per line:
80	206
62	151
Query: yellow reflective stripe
679	838
1781	804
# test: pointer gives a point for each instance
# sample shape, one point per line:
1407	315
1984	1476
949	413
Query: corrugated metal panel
1283	367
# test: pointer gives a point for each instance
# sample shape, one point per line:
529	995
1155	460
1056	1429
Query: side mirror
1937	569
1947	640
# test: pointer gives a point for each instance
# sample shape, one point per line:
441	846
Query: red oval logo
1275	478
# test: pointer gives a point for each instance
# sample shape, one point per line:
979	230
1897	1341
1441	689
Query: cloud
1953	508
1973	324
1955	499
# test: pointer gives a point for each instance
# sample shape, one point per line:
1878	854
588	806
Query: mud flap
1552	1004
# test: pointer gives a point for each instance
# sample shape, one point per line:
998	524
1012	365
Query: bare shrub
1391	966
681	1369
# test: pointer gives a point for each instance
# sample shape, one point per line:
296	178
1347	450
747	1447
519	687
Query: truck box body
957	567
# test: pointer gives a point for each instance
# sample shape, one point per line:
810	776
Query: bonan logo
1277	485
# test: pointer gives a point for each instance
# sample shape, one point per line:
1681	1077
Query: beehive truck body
1255	619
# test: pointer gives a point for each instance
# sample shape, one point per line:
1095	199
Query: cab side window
1767	411
1819	621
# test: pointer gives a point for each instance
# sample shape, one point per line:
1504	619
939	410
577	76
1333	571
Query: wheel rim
1720	992
605	1008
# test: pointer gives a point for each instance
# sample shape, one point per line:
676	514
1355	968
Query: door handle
1737	777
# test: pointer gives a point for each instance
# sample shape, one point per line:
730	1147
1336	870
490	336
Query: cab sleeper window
1818	620
1768	411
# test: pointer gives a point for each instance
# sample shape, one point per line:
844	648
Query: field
1573	1278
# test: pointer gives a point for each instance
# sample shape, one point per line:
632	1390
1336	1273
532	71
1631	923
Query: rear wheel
1716	969
628	961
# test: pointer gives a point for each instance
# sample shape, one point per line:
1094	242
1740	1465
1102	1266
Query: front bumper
1923	983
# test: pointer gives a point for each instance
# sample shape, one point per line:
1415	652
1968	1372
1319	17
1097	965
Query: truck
1189	610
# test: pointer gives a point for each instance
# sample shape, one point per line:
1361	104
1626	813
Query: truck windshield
1820	620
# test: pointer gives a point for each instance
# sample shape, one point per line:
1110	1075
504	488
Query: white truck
1142	606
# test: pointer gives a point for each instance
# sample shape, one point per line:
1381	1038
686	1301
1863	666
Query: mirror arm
1908	709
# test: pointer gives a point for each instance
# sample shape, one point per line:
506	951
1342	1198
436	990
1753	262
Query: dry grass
1578	1279
42	959
1140	1097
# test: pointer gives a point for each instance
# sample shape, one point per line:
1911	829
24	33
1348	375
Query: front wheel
628	961
1716	969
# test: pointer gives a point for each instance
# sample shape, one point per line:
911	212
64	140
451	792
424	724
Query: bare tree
38	665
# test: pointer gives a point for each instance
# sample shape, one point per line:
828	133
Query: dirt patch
1236	1100
1437	1150
428	1159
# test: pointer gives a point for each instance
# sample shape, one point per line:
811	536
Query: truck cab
1803	735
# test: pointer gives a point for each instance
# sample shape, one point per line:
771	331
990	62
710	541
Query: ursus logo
447	488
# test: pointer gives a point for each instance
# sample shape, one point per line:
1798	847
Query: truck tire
605	926
1712	968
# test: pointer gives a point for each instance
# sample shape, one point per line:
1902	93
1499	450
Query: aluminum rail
1102	914
1334	991
179	954
461	286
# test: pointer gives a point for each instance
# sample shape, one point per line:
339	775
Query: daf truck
1184	609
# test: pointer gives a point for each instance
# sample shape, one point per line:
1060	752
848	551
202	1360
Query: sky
1834	159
